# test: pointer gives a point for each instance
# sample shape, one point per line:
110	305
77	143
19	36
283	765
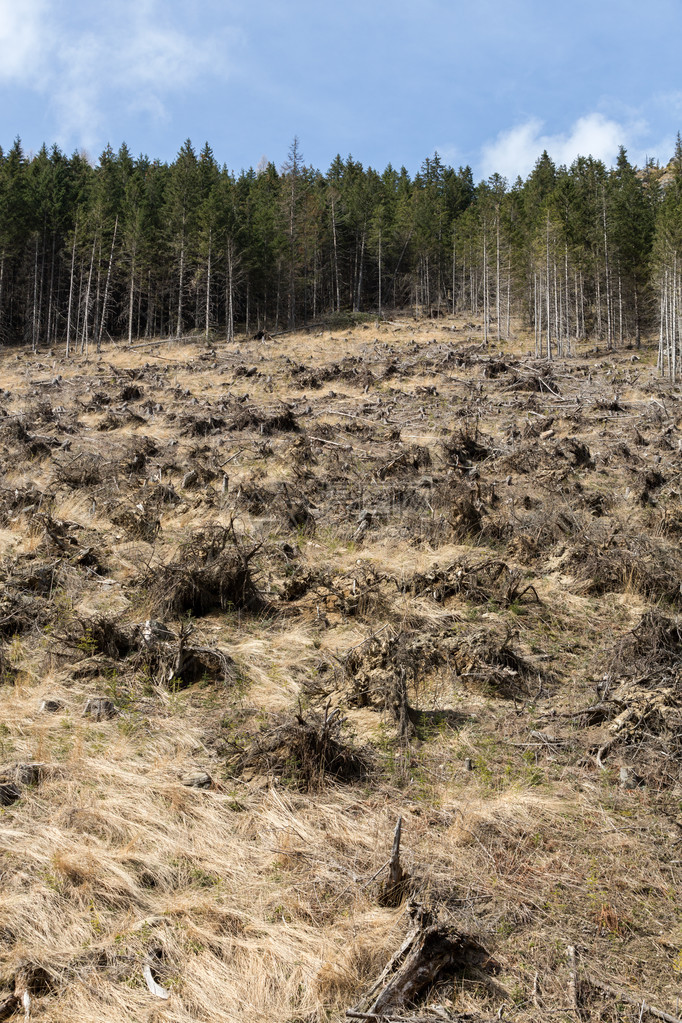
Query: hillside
261	600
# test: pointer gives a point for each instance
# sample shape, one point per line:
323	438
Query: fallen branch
640	1004
332	444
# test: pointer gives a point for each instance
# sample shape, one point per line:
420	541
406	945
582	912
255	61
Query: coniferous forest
138	248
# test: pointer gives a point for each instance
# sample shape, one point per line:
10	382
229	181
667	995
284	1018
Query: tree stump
100	708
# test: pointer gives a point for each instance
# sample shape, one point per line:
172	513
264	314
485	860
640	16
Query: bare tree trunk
486	311
497	274
208	286
95	315
34	341
106	287
68	315
638	332
548	289
336	260
609	329
315	258
2	284
131	298
229	297
380	239
568	302
508	327
178	330
540	309
557	312
50	304
84	339
454	265
535	313
39	319
620	310
673	317
362	256
661	347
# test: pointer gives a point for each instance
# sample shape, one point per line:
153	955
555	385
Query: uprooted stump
307	750
212	573
169	658
430	949
641	696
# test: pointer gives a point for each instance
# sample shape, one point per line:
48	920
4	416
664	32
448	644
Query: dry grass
253	899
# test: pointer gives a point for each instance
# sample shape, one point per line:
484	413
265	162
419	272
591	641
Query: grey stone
628	778
197	780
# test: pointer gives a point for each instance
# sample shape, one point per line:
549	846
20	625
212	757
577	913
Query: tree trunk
178	330
68	316
84	340
336	260
208	286
497	275
362	256
106	288
131	299
34	342
548	291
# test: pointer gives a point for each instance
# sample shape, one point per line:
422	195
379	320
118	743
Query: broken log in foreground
429	949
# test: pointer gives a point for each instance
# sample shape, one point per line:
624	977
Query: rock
628	779
51	706
100	708
197	780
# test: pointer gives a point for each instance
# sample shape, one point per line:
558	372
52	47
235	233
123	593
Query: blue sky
489	83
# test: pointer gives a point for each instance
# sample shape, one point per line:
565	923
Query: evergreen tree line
138	248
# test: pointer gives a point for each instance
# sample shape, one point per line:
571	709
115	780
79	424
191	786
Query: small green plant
87	644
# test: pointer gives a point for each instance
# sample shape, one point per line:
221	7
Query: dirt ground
261	600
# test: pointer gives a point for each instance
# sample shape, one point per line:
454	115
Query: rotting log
429	949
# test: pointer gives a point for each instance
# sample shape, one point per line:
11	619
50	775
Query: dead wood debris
430	950
213	573
310	750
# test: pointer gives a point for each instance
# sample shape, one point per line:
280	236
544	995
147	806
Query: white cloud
122	57
514	152
22	39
